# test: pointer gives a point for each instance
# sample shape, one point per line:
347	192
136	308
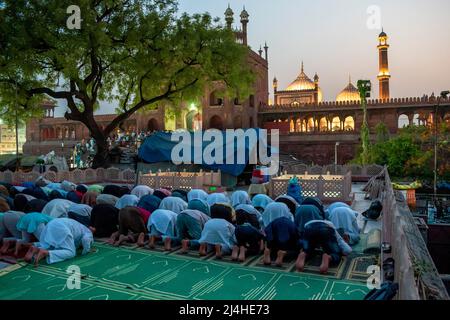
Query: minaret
275	90
383	75
316	88
229	17
244	21
266	49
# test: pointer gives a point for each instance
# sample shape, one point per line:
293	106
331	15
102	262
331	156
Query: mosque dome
303	82
350	93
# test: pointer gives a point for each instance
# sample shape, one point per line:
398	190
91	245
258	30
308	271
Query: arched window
349	124
298	125
310	125
336	124
153	125
216	123
252	101
323	125
430	120
51	133
215	100
403	121
447	117
416	120
292	126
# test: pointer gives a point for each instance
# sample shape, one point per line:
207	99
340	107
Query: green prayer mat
111	273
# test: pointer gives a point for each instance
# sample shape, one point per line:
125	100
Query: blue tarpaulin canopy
158	148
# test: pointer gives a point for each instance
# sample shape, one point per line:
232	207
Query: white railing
180	180
325	187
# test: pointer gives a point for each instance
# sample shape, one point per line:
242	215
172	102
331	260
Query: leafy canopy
136	53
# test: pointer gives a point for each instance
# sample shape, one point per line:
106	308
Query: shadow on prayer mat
110	273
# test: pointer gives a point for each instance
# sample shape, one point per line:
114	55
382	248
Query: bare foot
262	246
151	242
202	250
326	259
184	246
167	244
218	251
111	241
7	244
141	239
30	253
300	263
235	253
19	246
267	260
242	254
122	238
40	255
280	258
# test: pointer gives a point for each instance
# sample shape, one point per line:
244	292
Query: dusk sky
332	38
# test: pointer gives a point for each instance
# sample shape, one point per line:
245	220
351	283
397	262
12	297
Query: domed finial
382	34
303	69
229	12
349	79
229	16
244	15
316	77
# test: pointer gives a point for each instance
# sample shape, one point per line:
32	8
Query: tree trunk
101	159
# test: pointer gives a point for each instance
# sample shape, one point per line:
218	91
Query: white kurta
62	237
57	208
345	218
274	211
173	204
141	190
217	198
197	194
128	200
240	197
219	231
164	221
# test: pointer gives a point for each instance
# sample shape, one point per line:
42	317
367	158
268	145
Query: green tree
410	153
382	132
137	53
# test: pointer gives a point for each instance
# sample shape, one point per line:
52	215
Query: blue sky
332	38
